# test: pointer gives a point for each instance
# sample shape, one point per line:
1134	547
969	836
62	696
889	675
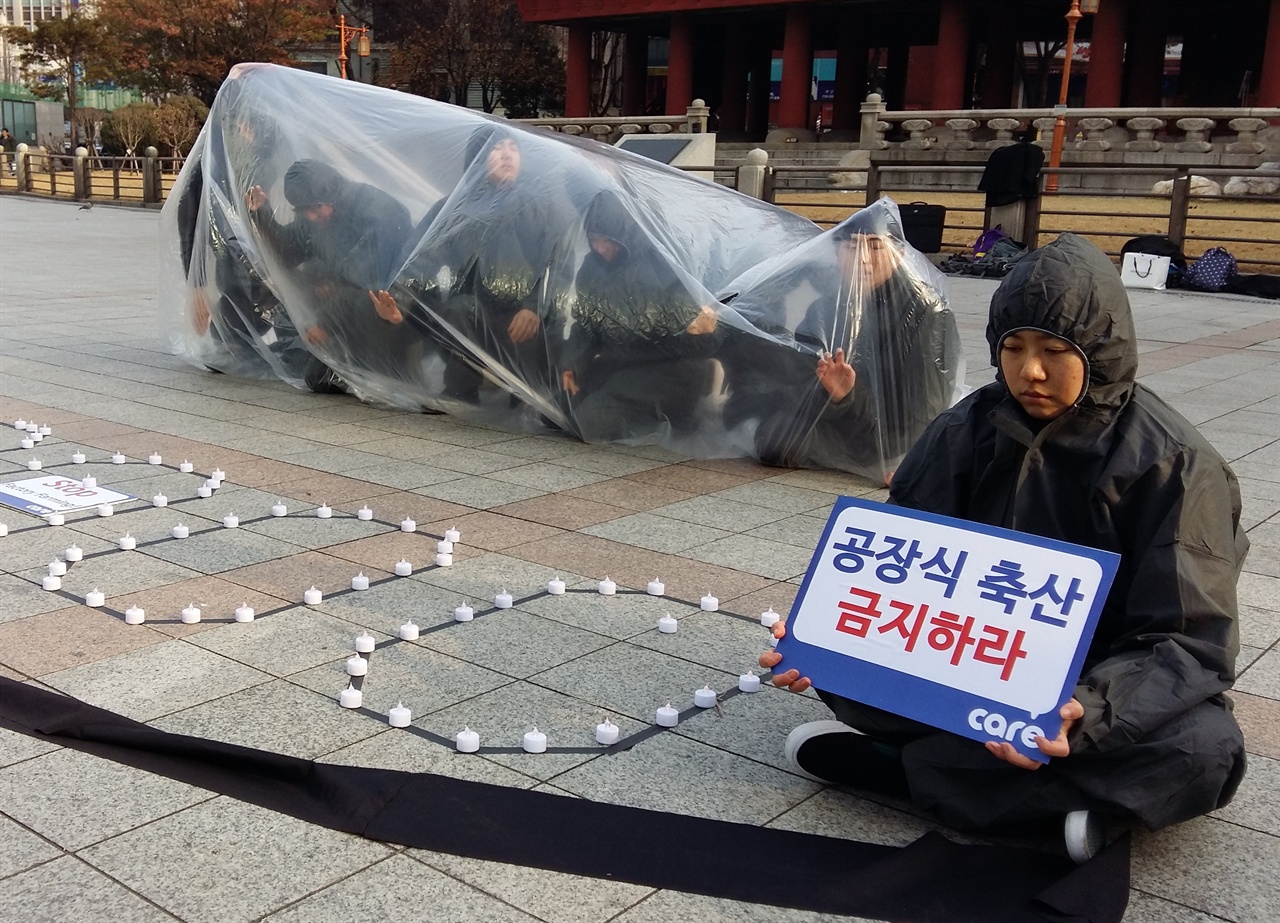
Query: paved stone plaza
84	839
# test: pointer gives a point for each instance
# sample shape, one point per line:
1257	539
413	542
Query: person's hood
608	217
1070	289
311	182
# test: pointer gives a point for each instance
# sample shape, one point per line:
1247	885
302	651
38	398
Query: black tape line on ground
931	881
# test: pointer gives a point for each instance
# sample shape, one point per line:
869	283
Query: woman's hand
385	304
569	383
790	679
836	375
1057	748
200	312
523	326
705	322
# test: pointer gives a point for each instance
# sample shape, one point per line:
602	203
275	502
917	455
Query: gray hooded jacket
1121	471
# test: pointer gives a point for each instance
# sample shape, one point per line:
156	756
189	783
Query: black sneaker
832	752
1084	833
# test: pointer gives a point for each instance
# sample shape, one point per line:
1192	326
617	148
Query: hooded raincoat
1121	471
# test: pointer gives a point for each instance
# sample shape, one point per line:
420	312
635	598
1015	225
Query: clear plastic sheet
343	237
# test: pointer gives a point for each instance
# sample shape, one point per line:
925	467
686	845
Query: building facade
807	64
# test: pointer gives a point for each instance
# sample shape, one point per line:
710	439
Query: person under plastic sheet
638	355
1064	444
244	322
853	352
480	278
342	246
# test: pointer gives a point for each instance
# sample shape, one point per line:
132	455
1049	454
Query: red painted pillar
1106	57
680	65
733	92
950	62
1269	84
635	72
797	70
577	77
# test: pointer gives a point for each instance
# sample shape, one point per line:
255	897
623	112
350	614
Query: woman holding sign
1065	445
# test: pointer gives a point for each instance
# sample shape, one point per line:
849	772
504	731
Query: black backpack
1159	245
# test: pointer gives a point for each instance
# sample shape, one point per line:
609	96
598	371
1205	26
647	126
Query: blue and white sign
53	494
974	629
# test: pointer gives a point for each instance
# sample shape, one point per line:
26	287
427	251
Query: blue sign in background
926	699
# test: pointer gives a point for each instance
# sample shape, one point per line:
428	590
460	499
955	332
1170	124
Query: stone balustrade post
1197	130
962	134
1045	127
871	136
1246	141
695	119
1144	129
80	174
23	153
918	129
1093	129
151	175
1004	129
751	174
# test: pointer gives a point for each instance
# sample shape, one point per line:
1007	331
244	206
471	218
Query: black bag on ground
1159	245
922	225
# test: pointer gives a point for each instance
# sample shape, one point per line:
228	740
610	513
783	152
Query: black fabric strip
931	881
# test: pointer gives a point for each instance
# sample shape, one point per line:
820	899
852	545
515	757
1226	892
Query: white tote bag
1144	270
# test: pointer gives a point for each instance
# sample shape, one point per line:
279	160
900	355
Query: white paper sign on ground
947	621
54	494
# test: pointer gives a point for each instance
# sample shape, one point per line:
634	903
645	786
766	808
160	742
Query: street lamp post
1079	8
345	33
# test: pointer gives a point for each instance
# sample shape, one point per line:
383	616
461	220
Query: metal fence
144	180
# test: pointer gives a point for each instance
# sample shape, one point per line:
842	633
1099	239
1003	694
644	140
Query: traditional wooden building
921	54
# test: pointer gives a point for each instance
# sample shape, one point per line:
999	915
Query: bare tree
130	125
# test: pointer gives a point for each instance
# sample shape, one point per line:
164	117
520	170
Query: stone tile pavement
82	839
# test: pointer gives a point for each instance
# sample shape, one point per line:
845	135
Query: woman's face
868	260
504	162
1044	373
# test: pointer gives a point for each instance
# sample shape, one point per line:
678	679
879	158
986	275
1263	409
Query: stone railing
609	128
1210	136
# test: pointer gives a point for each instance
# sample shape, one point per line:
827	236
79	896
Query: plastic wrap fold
343	237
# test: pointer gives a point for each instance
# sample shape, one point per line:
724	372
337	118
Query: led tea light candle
452	535
186	467
360	582
217	475
467	741
159	500
191	614
656	587
180	531
607	587
231	521
399	717
89	481
51	583
324	511
351	697
45	430
408	525
357	665
134	616
37	437
78	458
607	732
126	542
27	442
74	553
19	424
35	464
57	568
705	697
444	547
769	618
444	560
95	598
365	643
31	427
555	586
313	596
710	603
244	613
503	600
106	509
4	530
204	491
403	568
463	613
535	741
279	509
118	459
667	716
55	519
364	514
408	632
668	624
749	682
154	458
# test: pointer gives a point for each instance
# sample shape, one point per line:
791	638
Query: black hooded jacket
1121	471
